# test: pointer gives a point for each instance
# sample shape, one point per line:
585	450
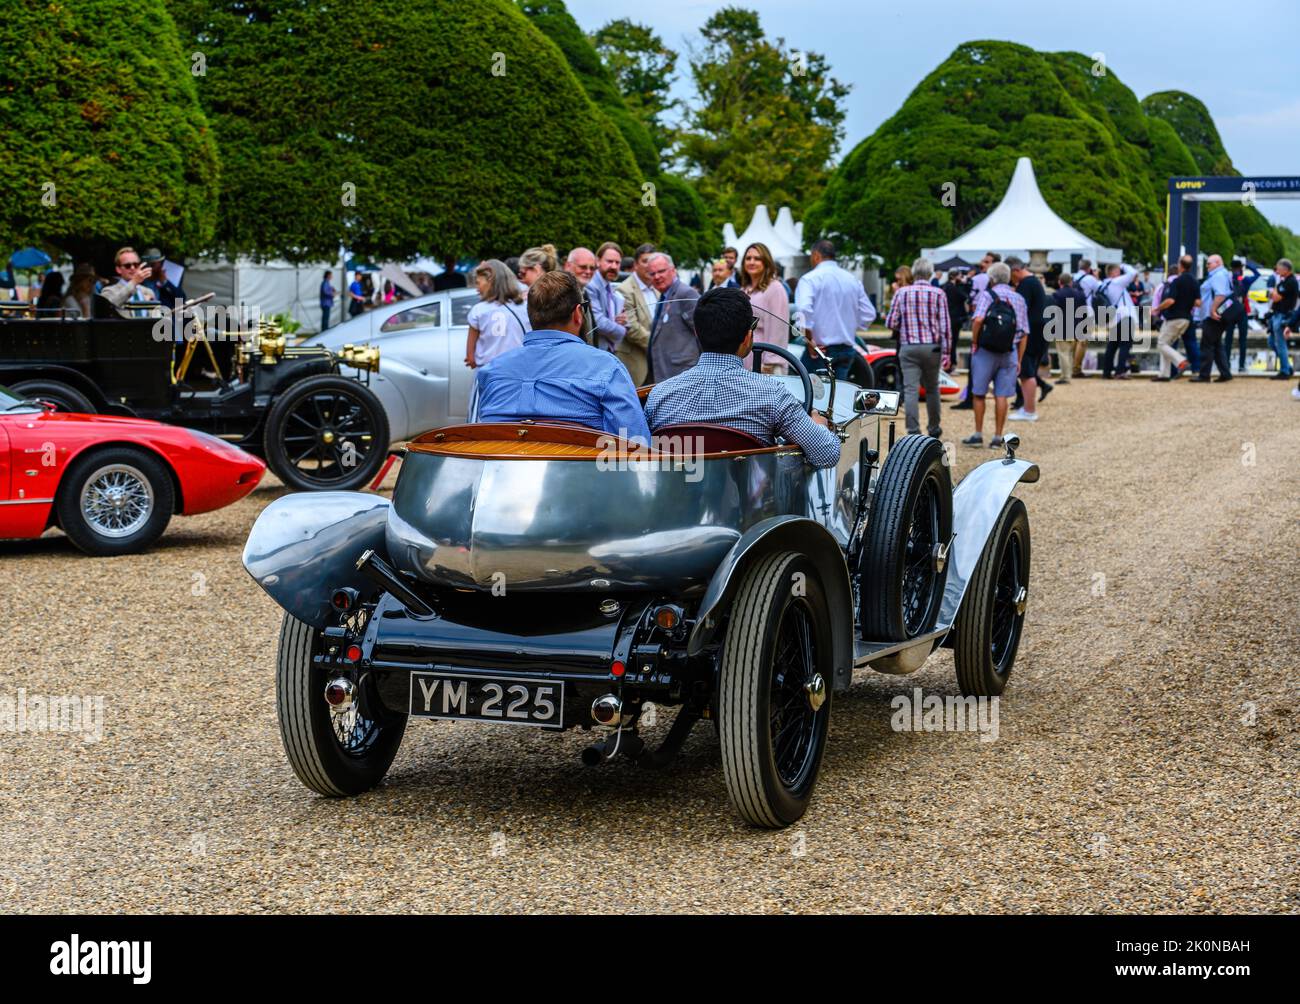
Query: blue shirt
1217	283
719	389
558	375
326	293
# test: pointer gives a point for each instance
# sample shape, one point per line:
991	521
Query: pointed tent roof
784	239
1024	222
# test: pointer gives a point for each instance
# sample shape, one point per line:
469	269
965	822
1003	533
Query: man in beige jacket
640	311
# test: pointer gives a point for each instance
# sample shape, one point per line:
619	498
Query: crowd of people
643	317
1015	322
141	279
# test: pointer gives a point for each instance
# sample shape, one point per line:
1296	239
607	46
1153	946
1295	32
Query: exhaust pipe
377	571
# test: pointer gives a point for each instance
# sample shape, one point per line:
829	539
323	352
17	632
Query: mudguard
976	504
304	546
784	533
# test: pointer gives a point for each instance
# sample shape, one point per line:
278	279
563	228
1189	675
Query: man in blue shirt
555	374
718	388
1216	296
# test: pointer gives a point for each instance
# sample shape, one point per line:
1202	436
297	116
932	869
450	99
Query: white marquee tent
270	287
784	238
1024	222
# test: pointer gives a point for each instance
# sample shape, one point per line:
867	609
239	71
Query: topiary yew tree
104	141
402	127
1244	228
686	233
1102	162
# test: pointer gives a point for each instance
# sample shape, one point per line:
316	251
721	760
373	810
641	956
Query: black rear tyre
61	395
992	615
115	500
910	525
774	690
334	755
326	432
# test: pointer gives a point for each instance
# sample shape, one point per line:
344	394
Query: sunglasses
130	264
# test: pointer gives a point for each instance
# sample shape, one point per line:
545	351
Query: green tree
104	141
768	120
643	68
402	127
1245	231
1102	160
1290	243
687	234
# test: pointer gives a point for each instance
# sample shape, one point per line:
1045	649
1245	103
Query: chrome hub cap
117	500
815	688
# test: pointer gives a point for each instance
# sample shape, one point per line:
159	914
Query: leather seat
709	436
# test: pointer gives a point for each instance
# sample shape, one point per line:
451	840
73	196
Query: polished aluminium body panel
784	533
304	546
541	524
977	502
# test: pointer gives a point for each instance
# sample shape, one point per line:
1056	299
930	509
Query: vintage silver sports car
551	576
424	382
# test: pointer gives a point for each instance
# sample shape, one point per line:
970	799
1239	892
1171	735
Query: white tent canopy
1024	222
269	287
784	239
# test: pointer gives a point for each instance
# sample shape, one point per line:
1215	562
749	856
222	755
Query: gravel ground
1145	761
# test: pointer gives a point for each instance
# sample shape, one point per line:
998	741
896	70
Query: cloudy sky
1245	69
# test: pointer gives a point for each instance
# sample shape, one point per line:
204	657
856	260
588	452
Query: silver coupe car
423	381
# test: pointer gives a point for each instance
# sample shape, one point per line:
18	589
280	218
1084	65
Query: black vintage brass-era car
552	576
315	428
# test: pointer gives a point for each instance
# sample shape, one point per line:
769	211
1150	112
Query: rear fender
977	502
306	545
783	533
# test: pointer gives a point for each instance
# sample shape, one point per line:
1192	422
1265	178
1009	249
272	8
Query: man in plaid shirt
919	315
720	390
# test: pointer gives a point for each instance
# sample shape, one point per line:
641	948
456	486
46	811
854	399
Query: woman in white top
760	279
497	323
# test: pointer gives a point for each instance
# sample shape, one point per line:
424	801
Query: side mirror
865	401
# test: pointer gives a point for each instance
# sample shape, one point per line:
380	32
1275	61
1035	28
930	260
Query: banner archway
1183	206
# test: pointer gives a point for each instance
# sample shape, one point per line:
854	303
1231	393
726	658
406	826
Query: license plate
509	700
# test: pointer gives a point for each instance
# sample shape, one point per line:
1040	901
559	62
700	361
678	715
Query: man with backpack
999	333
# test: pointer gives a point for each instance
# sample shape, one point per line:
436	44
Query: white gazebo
783	238
1023	223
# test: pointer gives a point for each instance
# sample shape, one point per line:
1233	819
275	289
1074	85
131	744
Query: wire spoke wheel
991	618
117	500
354	732
919	573
332	753
902	566
793	720
774	689
1007	621
326	431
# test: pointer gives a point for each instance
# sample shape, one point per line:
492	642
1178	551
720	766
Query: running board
897	656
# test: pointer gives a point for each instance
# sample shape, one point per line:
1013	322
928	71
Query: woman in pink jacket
760	278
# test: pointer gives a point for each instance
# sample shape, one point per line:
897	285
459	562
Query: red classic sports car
889	376
111	484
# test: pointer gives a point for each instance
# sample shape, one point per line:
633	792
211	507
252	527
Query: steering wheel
796	364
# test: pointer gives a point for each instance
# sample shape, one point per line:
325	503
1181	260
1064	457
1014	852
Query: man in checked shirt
919	314
720	390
